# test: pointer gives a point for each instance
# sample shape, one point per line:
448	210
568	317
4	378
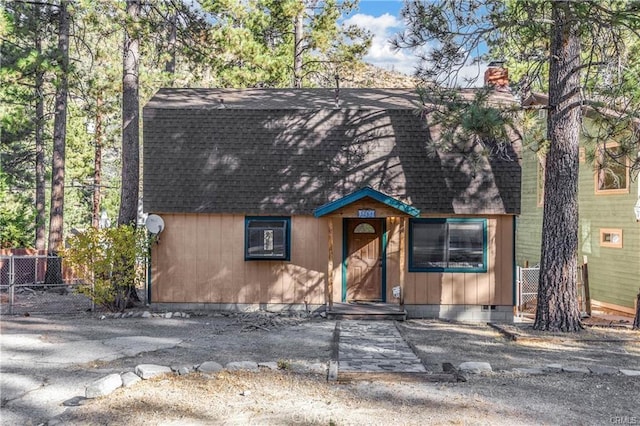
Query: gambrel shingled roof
290	151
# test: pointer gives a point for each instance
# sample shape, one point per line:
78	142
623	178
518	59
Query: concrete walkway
374	347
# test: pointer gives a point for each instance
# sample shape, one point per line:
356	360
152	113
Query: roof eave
364	193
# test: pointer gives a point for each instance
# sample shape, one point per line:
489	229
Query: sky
382	19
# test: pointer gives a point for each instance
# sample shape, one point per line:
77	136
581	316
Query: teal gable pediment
367	192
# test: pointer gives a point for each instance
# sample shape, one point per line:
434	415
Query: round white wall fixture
154	224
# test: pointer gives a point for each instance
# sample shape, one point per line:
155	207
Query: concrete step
366	311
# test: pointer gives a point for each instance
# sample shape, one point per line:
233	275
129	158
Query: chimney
497	77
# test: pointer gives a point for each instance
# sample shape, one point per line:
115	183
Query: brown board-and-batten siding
494	287
199	259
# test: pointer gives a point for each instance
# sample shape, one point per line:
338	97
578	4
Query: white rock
475	367
129	379
209	367
103	386
333	371
168	315
603	369
630	372
146	314
309	367
147	371
242	365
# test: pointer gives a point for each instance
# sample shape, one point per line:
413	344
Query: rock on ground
209	367
103	386
147	371
129	379
475	367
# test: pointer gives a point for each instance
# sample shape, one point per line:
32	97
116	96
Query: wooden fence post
585	284
636	320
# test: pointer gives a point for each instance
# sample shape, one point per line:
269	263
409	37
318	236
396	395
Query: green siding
529	223
614	273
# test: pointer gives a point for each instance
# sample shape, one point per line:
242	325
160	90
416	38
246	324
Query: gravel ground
290	397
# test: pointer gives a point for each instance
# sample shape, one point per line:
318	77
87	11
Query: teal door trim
345	235
344	260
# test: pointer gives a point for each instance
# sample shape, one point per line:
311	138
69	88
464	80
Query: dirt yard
287	396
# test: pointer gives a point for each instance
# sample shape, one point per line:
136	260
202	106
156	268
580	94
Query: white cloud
381	54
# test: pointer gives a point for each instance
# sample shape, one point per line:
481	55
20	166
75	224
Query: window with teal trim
448	245
267	238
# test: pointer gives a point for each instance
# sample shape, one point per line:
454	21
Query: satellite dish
154	224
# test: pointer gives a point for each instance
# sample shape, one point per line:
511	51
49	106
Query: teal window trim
285	220
415	268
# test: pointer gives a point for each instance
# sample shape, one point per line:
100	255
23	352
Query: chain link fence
528	279
24	288
527	287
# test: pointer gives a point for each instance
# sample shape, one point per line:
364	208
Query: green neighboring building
609	232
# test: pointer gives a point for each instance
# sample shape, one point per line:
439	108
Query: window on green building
612	171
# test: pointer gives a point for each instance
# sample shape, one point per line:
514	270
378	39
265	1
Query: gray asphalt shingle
289	151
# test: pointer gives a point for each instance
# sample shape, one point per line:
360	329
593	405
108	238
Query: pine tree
543	37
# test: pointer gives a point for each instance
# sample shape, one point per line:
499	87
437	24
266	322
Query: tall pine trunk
56	216
128	213
41	237
97	166
130	119
557	308
170	65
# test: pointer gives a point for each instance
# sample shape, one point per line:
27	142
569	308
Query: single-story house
609	232
305	198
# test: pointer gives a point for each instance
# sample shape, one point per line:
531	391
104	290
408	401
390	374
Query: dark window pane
429	245
612	169
466	245
441	244
266	238
364	228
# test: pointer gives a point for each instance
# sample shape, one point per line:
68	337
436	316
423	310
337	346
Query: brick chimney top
497	76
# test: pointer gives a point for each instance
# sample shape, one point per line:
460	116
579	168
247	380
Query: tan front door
364	259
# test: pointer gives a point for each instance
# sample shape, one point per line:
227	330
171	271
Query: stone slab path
375	347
